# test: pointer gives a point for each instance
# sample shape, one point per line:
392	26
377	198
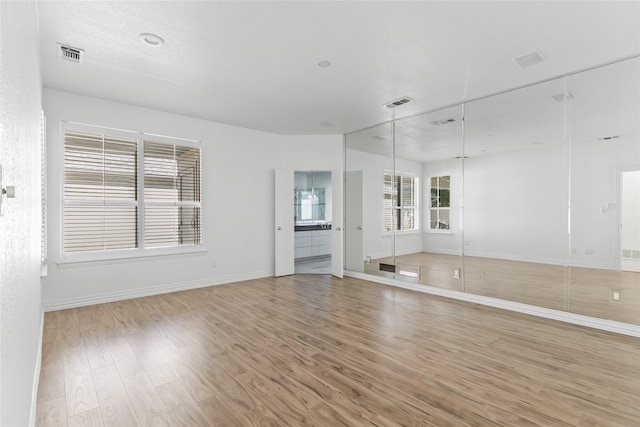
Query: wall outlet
456	273
616	295
368	259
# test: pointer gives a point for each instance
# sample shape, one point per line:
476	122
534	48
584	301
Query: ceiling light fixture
324	64
152	40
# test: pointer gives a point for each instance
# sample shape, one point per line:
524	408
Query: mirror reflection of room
312	219
527	196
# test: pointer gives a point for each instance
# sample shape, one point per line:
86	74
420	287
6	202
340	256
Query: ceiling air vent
608	138
443	122
529	59
398	102
561	97
72	54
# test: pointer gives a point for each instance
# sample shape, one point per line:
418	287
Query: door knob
359	227
279	228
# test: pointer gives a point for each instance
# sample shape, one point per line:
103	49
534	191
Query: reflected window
400	202
440	210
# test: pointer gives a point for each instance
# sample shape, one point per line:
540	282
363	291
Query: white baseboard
36	375
63	304
563	316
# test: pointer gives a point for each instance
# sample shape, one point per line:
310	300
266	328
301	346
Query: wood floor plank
52	413
92	418
115	405
124	358
316	350
78	382
94	336
184	410
146	402
52	377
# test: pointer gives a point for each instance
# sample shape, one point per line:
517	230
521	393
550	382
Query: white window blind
100	192
129	193
400	202
172	194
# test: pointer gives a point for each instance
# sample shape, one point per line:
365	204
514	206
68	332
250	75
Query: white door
353	222
284	226
337	225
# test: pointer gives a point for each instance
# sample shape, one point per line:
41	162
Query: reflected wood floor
316	350
578	290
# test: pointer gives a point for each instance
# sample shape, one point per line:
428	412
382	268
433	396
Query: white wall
238	214
515	205
376	243
20	295
594	212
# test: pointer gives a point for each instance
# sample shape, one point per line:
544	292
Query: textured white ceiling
255	64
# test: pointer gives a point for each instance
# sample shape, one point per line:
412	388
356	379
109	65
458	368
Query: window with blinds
400	204
440	209
125	192
172	195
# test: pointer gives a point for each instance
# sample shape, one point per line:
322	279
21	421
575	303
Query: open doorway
313	222
630	220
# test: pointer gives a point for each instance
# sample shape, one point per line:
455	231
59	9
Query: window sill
443	232
400	233
121	258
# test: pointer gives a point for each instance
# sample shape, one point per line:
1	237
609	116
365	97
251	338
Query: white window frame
71	259
397	206
439	209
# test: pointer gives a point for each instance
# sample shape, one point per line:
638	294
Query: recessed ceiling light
152	40
529	59
324	64
327	124
537	143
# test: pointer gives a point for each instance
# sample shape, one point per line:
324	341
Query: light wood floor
316	350
575	289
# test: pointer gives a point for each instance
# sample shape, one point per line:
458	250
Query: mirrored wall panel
369	201
516	235
603	121
530	196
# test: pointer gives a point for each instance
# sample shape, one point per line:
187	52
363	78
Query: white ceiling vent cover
398	102
561	97
529	59
72	54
